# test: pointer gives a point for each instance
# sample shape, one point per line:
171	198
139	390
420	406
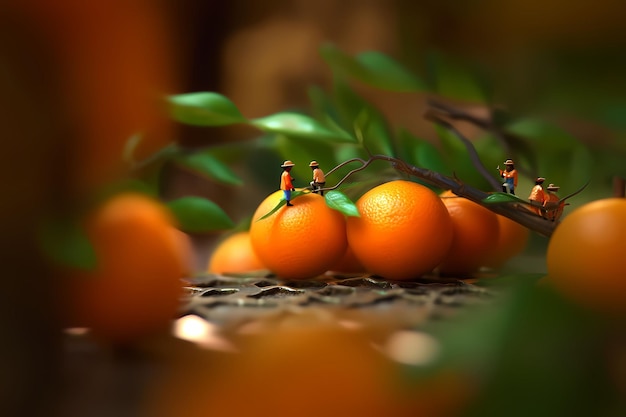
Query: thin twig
506	140
475	158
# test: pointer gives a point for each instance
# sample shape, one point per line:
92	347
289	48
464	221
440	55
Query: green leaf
208	165
543	134
368	123
421	153
204	109
66	243
383	72
299	125
456	80
337	200
199	215
496	198
372	68
282	202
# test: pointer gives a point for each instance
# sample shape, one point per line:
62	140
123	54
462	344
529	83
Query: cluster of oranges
404	231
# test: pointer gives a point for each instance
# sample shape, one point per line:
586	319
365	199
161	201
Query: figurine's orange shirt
318	175
537	194
511	174
285	181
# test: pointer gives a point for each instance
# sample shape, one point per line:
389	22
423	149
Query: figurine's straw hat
314	164
540	180
509	162
553	187
287	163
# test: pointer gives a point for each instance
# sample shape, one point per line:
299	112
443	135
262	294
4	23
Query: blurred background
79	78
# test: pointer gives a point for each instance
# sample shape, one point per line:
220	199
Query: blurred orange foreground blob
113	63
136	287
585	256
298	242
304	369
404	230
234	254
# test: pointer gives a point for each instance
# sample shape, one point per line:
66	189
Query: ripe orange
136	286
404	230
348	263
298	242
306	368
512	239
585	257
475	235
234	254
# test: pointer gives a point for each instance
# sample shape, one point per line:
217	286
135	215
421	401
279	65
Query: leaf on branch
299	125
199	215
497	198
282	202
337	200
204	109
211	167
373	68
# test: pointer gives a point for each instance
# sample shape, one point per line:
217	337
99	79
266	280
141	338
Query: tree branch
515	212
482	170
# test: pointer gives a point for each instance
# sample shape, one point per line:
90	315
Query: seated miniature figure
537	196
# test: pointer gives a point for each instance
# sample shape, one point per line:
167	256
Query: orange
136	287
303	367
512	239
348	263
403	231
234	254
298	242
585	257
475	235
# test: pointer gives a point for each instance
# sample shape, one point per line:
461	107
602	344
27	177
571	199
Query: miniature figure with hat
510	176
553	205
319	179
286	181
537	196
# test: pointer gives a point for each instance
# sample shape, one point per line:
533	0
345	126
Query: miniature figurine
553	206
319	179
510	176
286	183
537	196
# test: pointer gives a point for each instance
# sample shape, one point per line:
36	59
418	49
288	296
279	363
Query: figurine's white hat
553	187
314	164
287	163
509	162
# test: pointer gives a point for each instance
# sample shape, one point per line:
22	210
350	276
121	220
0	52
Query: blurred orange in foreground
304	369
234	254
585	256
136	287
301	241
475	235
111	63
